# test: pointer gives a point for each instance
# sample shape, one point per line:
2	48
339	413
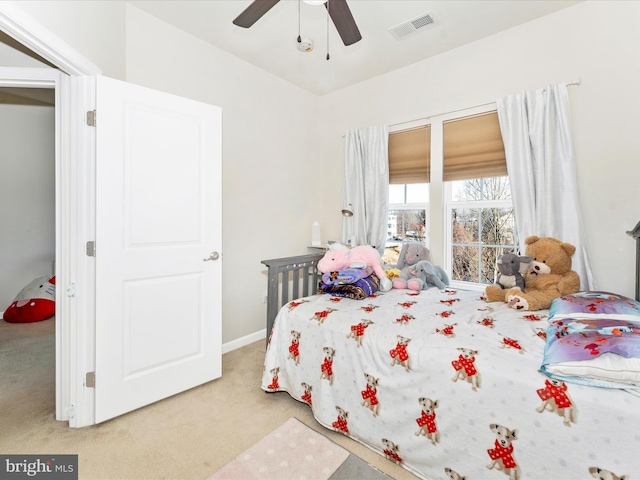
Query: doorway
27	247
33	58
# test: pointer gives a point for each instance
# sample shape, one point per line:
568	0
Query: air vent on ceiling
413	26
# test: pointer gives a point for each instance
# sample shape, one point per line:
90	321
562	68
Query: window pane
406	226
465	264
396	193
417	193
477	189
498	226
465	225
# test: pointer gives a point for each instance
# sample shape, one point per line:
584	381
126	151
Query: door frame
75	205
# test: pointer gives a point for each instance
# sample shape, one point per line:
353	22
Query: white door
158	243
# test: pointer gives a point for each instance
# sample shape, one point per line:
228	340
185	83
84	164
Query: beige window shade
409	155
473	148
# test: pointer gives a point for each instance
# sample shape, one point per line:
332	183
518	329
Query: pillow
599	352
595	304
35	302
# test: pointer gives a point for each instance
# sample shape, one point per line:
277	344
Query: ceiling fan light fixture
304	45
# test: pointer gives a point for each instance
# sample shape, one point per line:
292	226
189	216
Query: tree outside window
482	227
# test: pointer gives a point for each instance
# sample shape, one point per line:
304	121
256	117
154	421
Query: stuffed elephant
511	267
410	254
425	275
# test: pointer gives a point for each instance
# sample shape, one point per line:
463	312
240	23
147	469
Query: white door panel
158	201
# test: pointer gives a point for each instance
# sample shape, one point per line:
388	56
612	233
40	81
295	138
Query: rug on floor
295	451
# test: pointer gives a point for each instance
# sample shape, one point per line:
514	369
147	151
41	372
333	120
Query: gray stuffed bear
426	275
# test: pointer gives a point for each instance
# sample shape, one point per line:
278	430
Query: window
471	204
408	189
481	224
482	227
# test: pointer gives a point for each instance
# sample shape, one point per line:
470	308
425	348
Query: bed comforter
443	383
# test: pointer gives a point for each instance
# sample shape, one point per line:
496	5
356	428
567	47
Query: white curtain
366	190
537	138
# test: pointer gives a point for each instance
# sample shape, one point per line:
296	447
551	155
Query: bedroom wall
269	161
94	29
596	41
27	183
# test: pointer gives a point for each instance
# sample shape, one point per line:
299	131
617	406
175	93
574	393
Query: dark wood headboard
635	233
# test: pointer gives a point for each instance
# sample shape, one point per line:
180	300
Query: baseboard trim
244	341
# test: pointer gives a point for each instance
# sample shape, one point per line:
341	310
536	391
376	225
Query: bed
443	383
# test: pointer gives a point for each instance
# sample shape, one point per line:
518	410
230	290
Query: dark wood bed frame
302	278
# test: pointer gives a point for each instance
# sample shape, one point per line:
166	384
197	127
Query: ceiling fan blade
254	12
343	20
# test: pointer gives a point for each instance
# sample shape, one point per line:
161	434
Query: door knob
213	256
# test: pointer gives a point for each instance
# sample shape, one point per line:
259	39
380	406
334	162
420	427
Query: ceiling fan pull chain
299	37
328	6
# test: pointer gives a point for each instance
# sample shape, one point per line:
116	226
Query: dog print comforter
444	384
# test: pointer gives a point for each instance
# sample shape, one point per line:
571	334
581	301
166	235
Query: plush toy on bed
549	276
410	254
425	275
511	269
339	257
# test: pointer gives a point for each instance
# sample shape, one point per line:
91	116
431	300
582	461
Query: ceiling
271	42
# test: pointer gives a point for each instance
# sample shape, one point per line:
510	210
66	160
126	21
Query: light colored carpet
294	451
188	436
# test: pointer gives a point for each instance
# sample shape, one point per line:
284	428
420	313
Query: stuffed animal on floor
511	269
410	254
549	276
35	302
339	257
425	275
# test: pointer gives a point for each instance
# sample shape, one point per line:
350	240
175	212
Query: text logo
39	467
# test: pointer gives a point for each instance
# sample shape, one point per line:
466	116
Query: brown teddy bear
550	276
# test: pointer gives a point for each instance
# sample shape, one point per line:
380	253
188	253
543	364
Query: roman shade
473	148
409	155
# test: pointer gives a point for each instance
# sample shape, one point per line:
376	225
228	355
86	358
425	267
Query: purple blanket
358	290
346	276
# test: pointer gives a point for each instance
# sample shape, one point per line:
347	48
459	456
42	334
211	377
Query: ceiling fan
338	11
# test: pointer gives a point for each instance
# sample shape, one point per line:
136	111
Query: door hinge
90	380
91	118
91	249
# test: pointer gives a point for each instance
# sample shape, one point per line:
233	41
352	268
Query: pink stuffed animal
339	257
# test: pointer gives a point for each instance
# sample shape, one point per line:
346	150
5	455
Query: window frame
440	204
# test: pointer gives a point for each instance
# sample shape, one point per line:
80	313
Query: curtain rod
573	83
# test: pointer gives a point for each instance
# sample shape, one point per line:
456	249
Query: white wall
270	155
95	28
27	184
596	41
